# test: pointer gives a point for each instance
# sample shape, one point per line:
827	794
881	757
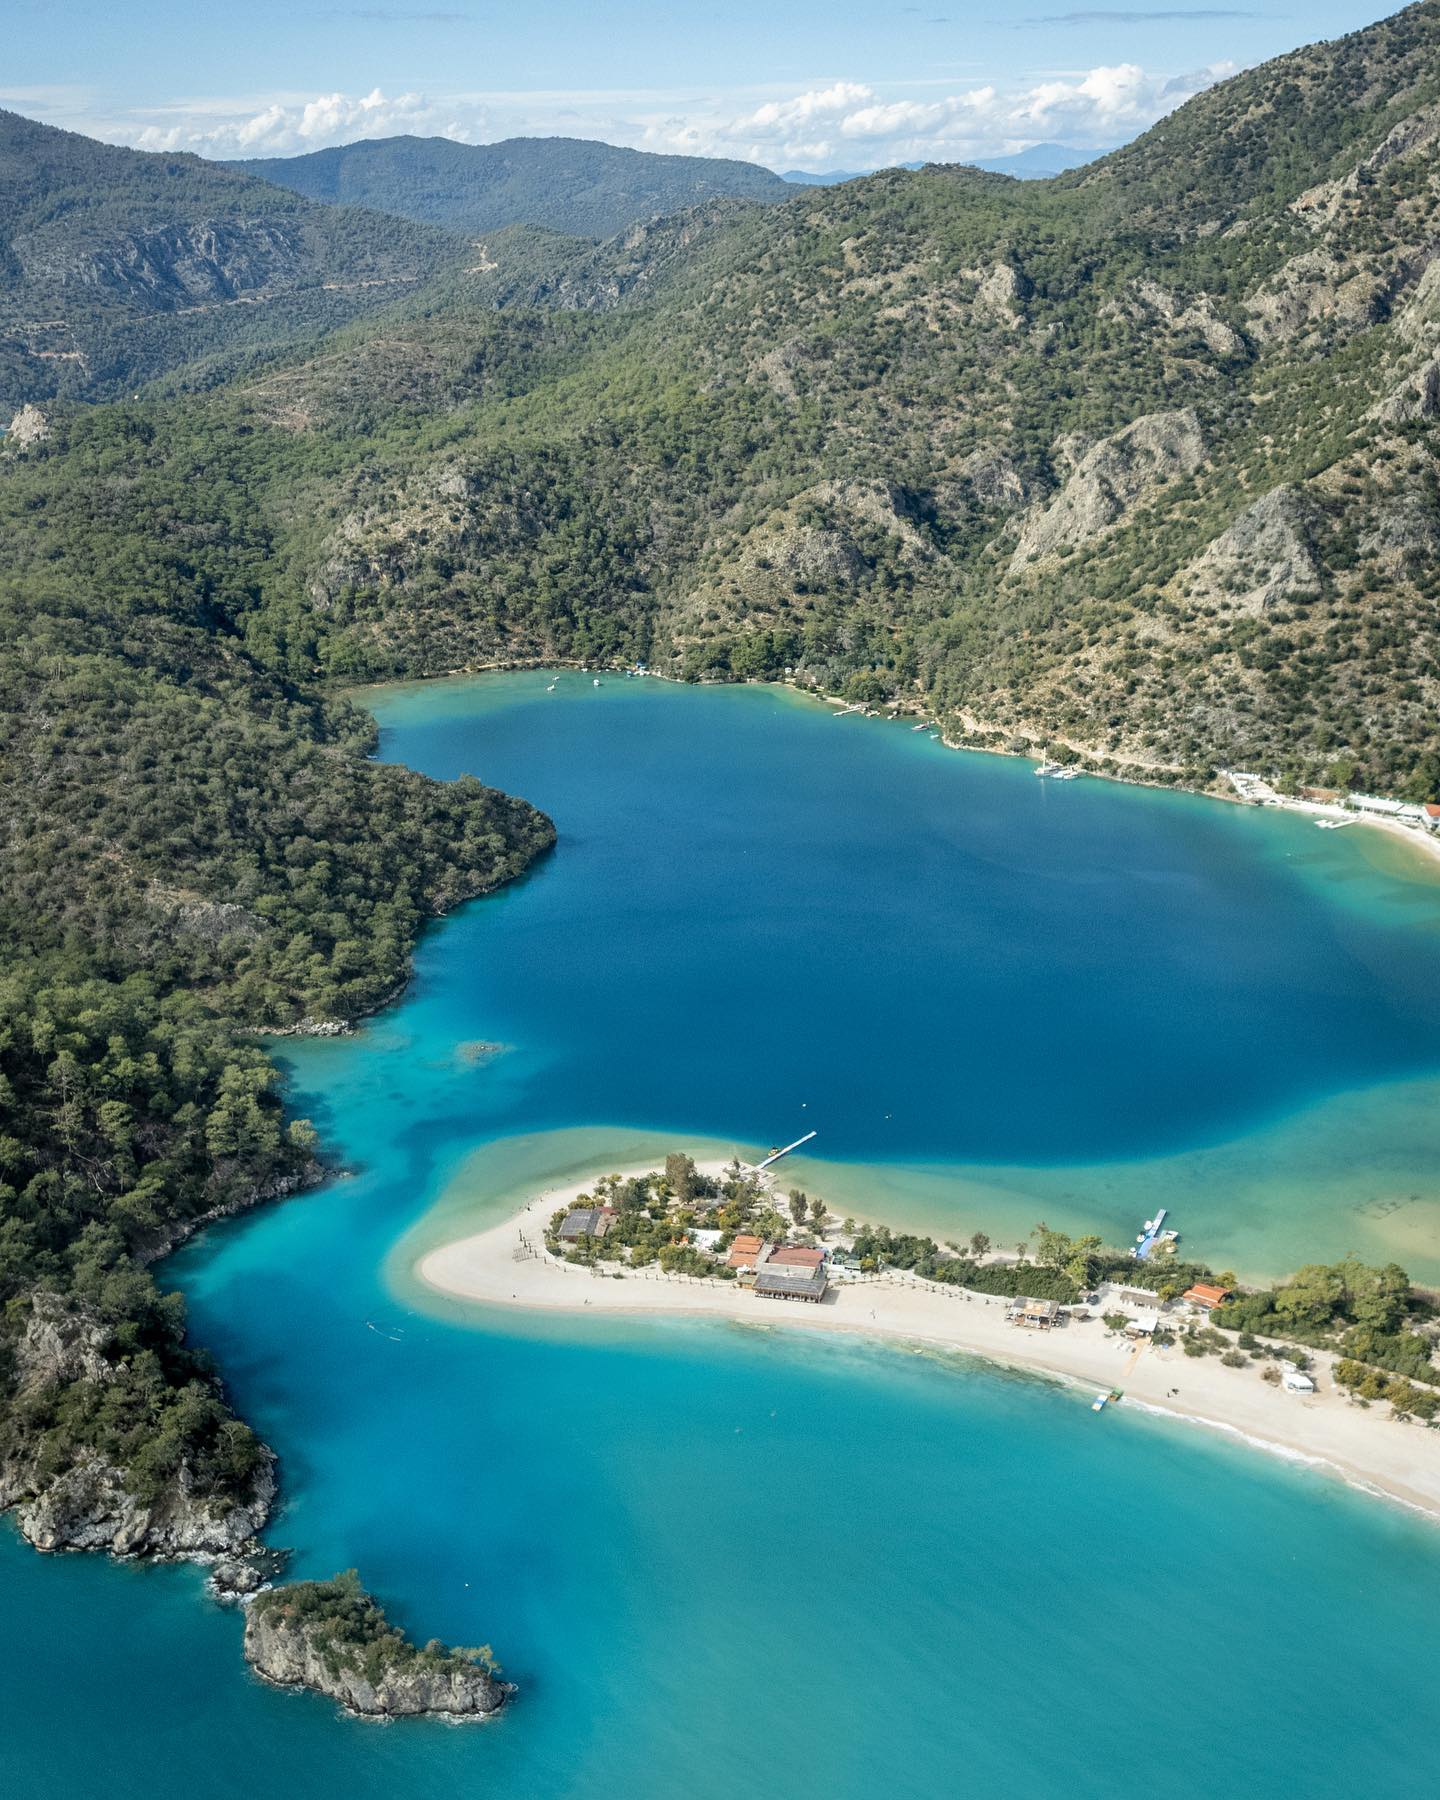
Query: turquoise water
719	1559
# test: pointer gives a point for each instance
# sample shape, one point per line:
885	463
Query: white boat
917	727
596	681
1334	824
1057	771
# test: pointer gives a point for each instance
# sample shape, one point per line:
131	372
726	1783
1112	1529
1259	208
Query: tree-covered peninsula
196	847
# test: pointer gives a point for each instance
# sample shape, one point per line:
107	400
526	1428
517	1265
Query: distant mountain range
1038	163
564	184
1141	459
118	265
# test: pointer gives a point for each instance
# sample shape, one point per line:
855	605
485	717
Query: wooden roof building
1039	1315
585	1222
788	1282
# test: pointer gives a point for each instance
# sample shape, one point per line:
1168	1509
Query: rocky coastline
332	1637
91	1503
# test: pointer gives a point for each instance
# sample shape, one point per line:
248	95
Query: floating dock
775	1155
1146	1242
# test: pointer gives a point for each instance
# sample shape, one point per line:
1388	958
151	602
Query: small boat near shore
1101	1401
1054	771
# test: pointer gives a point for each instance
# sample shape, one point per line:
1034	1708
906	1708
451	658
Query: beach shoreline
506	1266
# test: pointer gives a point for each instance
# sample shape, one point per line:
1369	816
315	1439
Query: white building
1389	809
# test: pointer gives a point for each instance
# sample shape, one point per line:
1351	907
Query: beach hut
1295	1381
1144	1324
1037	1315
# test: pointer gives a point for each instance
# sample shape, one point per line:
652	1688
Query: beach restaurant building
790	1281
1206	1295
584	1223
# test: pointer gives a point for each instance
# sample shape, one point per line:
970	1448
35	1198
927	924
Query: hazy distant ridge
566	184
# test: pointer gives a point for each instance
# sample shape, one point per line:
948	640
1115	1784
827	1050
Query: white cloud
287	125
839	123
849	122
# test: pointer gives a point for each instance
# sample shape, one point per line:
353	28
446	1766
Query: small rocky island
332	1636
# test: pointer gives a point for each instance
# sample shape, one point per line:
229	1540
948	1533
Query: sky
793	84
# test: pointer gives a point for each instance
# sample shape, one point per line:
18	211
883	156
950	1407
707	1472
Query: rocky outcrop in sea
332	1637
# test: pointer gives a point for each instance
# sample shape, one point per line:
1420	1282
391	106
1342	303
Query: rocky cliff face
1266	556
385	1679
28	428
1110	479
89	1507
182	264
90	1504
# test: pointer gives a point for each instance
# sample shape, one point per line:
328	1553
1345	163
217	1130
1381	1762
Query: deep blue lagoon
721	1560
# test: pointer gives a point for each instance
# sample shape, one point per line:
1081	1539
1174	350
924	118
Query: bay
716	1557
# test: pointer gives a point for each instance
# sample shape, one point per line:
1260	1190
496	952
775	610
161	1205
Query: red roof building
1206	1294
744	1252
795	1256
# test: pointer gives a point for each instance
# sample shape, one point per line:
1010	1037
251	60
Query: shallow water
722	1559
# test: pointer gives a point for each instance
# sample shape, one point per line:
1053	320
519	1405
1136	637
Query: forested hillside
193	844
572	185
1138	466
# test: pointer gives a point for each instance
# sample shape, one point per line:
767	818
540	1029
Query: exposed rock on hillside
28	428
873	503
1406	530
332	1637
1198	315
995	481
207	260
1109	479
1000	291
1420	314
91	1507
1265	556
1319	286
1417	397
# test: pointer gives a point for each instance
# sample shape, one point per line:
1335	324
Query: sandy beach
507	1266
